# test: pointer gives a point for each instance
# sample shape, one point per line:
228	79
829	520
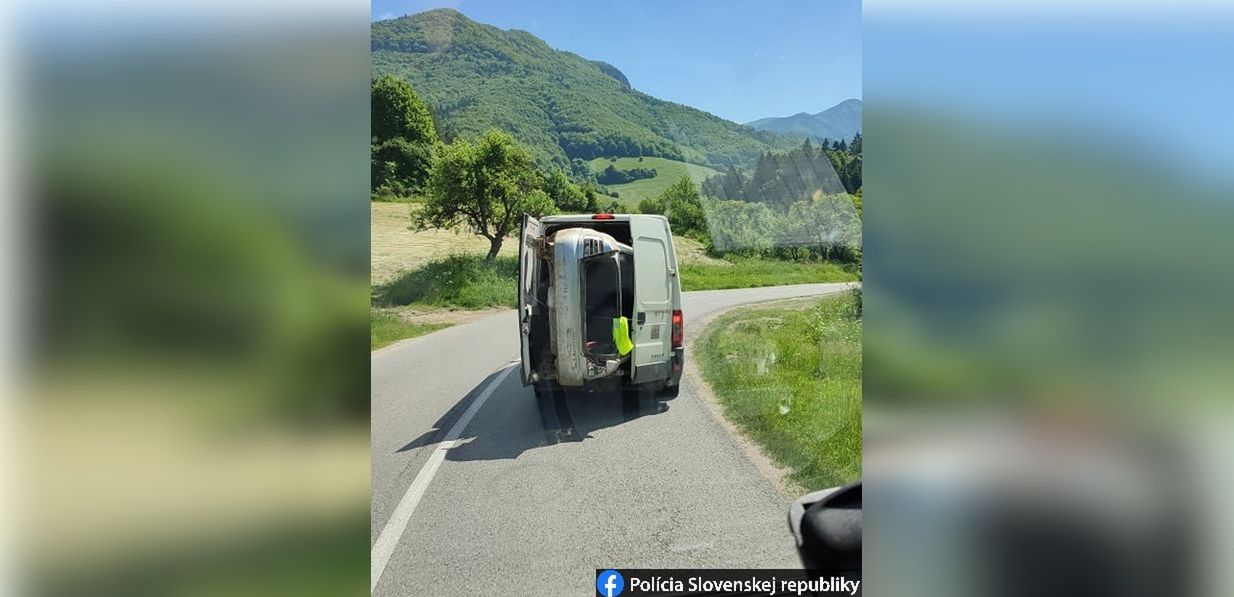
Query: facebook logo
610	583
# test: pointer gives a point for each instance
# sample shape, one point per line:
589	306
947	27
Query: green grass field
667	173
387	327
460	281
790	378
751	272
467	281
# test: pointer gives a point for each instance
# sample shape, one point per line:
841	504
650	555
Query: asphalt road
477	490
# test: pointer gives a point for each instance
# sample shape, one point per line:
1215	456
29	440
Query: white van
600	303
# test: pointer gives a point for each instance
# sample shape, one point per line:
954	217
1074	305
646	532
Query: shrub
458	281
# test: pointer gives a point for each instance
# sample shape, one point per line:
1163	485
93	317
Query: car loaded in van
600	303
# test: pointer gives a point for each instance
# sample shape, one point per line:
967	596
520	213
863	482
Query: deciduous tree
484	187
397	112
682	205
402	135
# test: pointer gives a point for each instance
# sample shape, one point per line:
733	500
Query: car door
527	279
653	297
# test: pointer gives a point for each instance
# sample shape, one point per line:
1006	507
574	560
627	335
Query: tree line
819	225
781	179
482	186
404	138
798	204
614	175
801	204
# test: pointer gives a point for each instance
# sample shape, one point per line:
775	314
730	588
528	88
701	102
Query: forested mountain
477	77
840	121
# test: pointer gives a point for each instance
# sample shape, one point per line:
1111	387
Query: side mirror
827	527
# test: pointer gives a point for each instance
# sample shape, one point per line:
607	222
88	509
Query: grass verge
466	281
455	282
790	378
387	327
752	272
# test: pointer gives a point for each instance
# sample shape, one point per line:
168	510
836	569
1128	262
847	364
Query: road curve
538	499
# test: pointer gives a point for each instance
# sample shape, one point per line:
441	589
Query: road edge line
390	535
372	354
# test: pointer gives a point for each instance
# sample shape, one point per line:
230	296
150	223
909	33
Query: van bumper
678	364
666	372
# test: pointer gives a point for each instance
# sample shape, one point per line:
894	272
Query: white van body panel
529	235
657	293
654	274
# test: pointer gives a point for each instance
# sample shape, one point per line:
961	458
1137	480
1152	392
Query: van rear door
653	307
527	278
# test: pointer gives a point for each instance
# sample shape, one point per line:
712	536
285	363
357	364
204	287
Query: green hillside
564	106
667	172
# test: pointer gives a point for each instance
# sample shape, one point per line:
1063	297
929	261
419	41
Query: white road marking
390	535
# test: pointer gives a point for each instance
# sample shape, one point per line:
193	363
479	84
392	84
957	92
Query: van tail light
603	217
678	329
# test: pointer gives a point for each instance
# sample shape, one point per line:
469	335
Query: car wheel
544	391
670	392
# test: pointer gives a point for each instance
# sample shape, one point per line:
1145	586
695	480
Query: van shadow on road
513	420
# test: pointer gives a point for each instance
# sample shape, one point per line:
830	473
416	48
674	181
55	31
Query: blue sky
736	59
1153	82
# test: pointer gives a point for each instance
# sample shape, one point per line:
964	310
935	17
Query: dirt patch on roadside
444	316
692	252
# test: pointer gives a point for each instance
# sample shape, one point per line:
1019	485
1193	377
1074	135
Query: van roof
589	218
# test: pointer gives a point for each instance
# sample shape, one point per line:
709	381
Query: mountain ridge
841	121
564	106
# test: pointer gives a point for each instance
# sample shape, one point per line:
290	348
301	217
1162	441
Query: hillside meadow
667	172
